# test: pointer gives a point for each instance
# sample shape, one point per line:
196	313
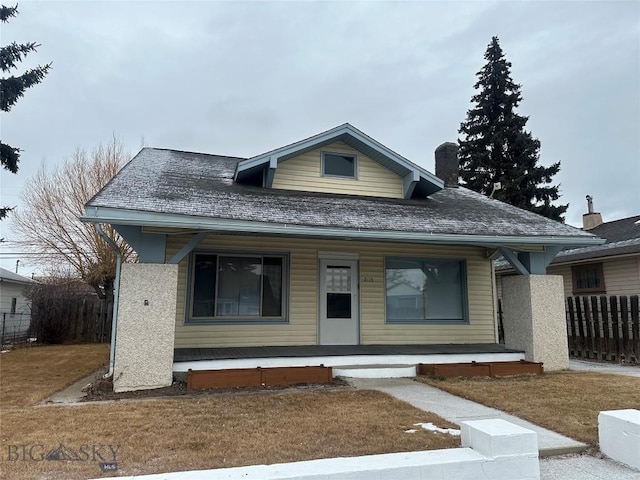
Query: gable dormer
341	160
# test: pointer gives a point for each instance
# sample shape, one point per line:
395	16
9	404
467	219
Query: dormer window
339	165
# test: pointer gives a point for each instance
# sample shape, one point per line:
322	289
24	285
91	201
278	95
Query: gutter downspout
116	294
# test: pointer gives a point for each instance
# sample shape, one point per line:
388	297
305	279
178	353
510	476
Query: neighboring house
332	240
15	308
609	269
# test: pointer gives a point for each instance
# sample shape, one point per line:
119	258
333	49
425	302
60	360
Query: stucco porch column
534	318
145	326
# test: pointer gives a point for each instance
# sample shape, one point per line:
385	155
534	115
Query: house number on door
367	279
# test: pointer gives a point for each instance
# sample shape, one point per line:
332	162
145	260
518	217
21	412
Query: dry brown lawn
198	432
31	374
565	402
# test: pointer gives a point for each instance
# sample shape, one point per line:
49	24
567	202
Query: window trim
341	154
189	319
440	321
575	269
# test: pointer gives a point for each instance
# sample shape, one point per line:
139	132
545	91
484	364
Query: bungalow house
612	268
333	249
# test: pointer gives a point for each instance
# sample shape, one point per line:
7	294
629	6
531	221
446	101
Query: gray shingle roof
619	230
622	238
9	276
201	185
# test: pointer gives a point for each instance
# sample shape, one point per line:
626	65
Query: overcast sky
245	77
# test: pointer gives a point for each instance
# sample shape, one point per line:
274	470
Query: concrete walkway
73	393
601	367
457	409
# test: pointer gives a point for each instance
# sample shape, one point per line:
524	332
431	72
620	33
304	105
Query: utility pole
17	263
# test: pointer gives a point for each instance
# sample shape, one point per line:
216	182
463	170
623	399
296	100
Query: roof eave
117	216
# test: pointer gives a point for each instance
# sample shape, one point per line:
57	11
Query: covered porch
345	360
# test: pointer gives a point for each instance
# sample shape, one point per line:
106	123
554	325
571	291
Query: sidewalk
457	409
558	462
601	367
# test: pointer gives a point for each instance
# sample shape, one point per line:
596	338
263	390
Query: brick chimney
591	219
447	167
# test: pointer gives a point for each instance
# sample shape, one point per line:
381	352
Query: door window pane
338	279
338	305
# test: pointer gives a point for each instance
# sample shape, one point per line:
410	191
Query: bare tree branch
54	200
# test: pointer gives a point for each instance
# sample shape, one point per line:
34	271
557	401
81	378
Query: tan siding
567	280
621	276
304	173
303	301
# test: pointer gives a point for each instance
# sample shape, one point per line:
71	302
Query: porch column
145	326
534	318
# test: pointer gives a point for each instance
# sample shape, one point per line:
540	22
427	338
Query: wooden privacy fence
604	328
72	320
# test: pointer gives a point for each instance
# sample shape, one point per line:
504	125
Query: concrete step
375	371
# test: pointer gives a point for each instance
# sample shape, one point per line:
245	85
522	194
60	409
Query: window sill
239	321
427	322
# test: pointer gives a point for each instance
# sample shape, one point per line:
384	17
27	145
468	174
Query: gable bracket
513	260
189	246
409	182
530	263
270	171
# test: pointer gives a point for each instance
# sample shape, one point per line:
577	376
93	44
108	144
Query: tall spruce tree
13	87
497	148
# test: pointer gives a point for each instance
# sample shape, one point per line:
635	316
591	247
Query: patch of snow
433	428
5	351
411	430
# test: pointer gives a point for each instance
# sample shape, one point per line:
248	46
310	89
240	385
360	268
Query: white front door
338	321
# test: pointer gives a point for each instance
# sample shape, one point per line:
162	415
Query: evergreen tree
497	148
13	87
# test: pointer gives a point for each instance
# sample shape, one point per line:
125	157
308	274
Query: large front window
425	290
237	287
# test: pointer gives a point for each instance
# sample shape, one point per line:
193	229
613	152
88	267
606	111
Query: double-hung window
425	290
238	287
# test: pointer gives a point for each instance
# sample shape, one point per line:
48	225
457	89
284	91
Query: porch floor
235	353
